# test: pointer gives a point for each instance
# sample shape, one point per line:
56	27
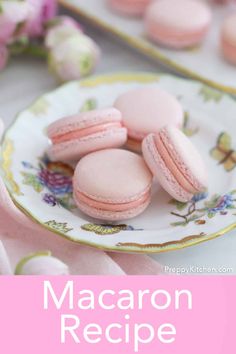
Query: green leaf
19	45
202	210
40	107
66	202
187	129
231	207
58	226
211	215
194	217
179	223
52	23
89	105
213	201
104	229
179	205
85	63
32	180
210	94
19	27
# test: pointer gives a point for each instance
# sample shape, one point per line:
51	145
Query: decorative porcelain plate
43	190
204	63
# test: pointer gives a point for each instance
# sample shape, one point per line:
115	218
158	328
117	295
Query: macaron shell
111	215
159	169
146	110
185	156
177	23
173	40
81	133
121	176
75	149
181	15
83	120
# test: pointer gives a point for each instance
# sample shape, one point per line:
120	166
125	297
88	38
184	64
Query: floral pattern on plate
192	211
52	179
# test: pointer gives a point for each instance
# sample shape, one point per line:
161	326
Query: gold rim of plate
150	52
186	241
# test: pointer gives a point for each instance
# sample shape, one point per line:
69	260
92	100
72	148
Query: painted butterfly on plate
224	153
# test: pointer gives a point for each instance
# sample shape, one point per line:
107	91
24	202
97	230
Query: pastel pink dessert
112	185
176	163
228	38
75	136
177	23
146	110
129	7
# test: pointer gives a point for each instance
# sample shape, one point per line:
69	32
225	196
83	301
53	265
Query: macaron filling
80	133
173	166
82	198
135	137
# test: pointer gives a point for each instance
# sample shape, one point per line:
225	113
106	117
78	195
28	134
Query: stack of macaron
111	180
180	24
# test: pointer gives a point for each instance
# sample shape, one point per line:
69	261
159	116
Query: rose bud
41	263
73	58
59	29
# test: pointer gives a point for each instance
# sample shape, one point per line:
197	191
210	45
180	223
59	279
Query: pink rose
49	9
12	15
41	11
3	56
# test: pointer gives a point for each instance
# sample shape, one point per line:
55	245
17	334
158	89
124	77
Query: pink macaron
146	110
75	136
129	7
176	163
177	23
228	38
112	184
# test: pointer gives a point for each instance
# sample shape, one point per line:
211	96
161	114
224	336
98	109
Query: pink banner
70	315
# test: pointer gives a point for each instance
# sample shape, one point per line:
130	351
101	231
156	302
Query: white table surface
25	79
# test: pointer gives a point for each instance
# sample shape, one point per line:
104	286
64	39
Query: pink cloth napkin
21	236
